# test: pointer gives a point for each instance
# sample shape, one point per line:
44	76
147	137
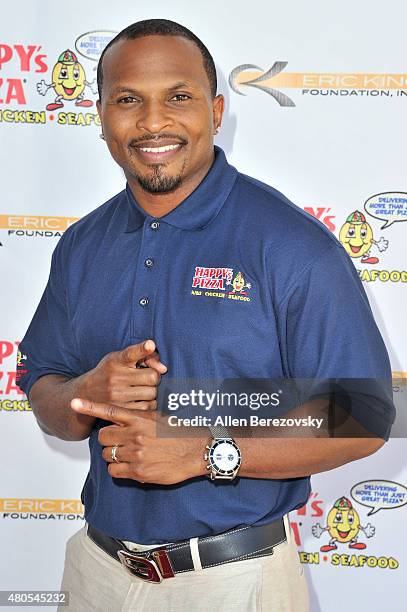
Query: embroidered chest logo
220	283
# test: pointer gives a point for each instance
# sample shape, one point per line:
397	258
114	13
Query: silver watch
223	454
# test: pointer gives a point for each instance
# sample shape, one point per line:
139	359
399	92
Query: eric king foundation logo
35	226
225	283
329	84
41	509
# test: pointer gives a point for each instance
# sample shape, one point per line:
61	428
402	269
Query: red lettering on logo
14	91
6	53
319	213
24	53
25	56
6	349
211	278
296	532
11	386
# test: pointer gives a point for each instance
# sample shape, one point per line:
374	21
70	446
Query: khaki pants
98	583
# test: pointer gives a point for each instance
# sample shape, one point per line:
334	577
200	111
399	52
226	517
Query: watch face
224	456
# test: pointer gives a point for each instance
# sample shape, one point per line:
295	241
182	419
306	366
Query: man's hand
141	454
126	378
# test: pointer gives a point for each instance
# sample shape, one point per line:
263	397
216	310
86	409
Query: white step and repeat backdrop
325	125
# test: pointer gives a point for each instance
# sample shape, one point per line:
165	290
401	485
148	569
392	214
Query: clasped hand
125	394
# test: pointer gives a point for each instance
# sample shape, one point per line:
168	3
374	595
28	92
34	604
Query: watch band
219	431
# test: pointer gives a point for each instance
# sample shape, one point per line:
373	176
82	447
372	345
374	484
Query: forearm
294	457
50	399
281	456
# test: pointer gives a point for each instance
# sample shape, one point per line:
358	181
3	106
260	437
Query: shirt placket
154	238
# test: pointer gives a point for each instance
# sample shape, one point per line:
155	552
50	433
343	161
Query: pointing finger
107	412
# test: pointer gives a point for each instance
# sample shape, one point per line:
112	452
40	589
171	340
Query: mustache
156	138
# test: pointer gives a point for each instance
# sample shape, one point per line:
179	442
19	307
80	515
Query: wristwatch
223	454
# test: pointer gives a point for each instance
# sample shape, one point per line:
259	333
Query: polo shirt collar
200	207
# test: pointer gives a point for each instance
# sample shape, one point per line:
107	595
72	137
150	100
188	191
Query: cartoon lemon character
20	358
356	235
239	284
343	525
68	81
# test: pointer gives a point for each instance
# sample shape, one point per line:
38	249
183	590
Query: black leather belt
165	561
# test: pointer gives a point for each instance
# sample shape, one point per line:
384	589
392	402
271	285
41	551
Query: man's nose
153	117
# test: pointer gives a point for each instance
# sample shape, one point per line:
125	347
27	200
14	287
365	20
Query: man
194	271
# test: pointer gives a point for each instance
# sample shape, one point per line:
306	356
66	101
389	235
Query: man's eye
127	100
180	97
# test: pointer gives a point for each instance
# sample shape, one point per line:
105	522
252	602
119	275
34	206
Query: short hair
161	27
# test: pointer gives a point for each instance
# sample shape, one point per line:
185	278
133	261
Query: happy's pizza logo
214	282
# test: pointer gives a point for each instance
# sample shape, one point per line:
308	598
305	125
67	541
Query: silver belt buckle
147	568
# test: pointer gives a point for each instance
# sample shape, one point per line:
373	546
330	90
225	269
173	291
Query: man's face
157	112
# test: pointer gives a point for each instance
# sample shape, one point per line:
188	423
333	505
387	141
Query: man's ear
99	110
218	108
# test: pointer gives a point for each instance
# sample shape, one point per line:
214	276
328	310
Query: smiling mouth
343	534
163	149
355	249
158	154
69	90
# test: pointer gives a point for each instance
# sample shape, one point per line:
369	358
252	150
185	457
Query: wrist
75	388
197	461
78	386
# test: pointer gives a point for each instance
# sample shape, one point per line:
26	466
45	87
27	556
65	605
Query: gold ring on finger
114	453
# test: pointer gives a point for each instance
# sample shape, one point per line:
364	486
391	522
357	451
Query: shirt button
143	301
149	263
154	225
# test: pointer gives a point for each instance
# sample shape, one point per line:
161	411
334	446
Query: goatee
158	182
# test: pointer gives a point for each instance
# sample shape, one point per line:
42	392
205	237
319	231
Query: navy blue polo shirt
235	282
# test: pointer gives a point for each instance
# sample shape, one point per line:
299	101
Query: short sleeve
331	334
49	346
